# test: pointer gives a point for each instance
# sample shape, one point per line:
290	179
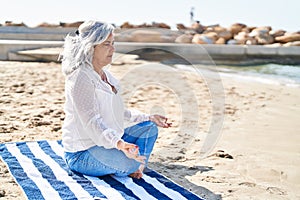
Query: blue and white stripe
40	170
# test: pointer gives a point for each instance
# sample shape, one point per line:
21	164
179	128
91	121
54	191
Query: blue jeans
98	161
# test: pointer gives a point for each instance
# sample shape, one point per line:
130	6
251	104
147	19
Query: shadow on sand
171	171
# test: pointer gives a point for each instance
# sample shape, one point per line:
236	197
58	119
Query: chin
109	61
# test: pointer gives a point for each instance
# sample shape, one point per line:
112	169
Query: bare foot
138	173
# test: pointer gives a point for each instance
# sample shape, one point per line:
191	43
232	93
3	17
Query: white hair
79	48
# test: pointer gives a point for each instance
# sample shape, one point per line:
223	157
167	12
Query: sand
257	155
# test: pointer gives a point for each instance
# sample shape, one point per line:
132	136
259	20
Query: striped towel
40	170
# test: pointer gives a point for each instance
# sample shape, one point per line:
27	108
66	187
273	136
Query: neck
101	74
98	68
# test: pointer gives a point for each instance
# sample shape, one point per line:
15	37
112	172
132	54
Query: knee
153	128
127	166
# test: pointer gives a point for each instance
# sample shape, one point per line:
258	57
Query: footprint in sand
222	154
248	184
276	190
2	193
212	179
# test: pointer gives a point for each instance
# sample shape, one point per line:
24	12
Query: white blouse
94	114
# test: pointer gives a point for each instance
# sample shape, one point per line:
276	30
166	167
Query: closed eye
107	43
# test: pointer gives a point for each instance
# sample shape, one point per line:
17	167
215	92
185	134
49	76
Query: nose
113	48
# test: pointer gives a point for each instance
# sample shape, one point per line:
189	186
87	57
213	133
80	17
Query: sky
277	14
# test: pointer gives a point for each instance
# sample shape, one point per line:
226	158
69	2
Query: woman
94	139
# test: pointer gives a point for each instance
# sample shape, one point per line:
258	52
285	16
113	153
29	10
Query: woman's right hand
131	151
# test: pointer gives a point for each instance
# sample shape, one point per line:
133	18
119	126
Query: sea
275	74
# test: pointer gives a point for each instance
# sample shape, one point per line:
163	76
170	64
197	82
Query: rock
160	25
261	35
181	27
150	36
264	39
10	23
218	29
248	29
144	25
198	27
221	32
241	37
213	36
221	40
251	41
236	28
267	28
198	39
225	34
73	24
47	25
288	38
127	25
184	38
277	33
260	31
232	42
204	39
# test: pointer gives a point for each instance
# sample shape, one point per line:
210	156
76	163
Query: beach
255	156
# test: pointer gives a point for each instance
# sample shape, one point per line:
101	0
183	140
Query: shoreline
243	75
258	129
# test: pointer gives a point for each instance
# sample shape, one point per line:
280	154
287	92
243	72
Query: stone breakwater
236	34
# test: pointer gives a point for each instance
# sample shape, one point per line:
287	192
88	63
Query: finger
162	118
161	121
168	124
161	124
130	145
136	151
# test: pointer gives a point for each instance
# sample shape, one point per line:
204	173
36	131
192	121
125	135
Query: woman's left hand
160	121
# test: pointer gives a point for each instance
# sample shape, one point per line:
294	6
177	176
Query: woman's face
103	52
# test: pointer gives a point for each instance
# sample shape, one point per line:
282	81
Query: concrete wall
219	54
12	46
25	33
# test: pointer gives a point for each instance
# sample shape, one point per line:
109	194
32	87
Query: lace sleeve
84	102
135	116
